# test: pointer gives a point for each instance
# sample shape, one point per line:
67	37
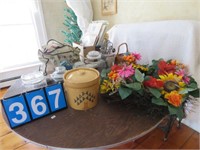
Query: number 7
56	97
57	92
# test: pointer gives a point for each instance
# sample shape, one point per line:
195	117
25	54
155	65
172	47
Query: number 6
35	106
37	103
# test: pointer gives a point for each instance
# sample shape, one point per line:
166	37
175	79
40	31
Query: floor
179	138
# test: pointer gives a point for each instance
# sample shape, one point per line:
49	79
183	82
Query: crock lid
81	75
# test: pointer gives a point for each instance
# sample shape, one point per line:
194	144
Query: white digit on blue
19	112
57	92
35	105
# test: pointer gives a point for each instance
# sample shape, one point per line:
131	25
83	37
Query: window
22	32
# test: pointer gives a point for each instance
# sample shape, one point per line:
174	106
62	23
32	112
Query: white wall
54	17
129	11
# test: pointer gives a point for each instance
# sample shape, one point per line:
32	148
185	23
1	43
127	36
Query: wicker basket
119	57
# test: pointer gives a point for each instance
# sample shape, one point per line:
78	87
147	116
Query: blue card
16	110
56	97
37	103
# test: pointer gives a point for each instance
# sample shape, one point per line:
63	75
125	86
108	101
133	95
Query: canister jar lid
81	77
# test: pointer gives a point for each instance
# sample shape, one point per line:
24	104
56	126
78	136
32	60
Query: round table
104	126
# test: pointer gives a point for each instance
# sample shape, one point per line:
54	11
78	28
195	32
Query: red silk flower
165	68
116	67
153	83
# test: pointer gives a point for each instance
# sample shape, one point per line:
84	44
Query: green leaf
187	90
104	73
158	101
124	92
178	111
147	78
135	86
155	92
193	85
195	93
172	110
184	91
192	80
191	89
139	76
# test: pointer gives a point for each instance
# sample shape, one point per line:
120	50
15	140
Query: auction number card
34	104
37	103
56	97
16	111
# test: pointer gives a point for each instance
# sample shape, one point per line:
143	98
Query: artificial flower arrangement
167	83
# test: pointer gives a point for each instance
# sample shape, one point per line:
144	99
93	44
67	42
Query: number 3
19	112
16	110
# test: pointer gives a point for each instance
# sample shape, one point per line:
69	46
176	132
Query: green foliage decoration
73	32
